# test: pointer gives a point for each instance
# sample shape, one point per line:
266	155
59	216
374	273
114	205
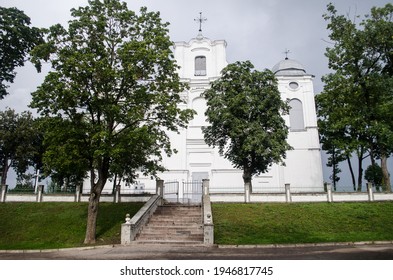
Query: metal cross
201	20
286	53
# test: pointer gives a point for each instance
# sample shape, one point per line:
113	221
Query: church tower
201	61
303	168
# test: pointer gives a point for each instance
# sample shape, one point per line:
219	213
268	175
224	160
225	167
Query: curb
58	249
304	245
267	246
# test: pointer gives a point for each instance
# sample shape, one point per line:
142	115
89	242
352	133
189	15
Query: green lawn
279	223
58	225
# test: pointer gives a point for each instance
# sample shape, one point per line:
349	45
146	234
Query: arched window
200	66
296	118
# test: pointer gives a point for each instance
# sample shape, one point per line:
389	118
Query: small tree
114	92
374	175
245	115
16	142
17	39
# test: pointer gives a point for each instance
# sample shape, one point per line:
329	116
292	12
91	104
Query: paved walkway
356	251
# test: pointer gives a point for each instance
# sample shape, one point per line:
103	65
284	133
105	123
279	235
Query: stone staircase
173	224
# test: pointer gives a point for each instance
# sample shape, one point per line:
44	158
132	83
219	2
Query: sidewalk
328	251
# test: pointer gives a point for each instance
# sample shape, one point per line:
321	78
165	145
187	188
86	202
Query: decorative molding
200	49
200	164
227	171
195	142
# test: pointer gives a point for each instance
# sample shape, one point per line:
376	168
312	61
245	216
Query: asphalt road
167	252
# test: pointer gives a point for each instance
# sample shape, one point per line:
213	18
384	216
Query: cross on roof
286	53
201	20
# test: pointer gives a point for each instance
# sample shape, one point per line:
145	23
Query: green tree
360	87
114	92
374	174
16	142
336	122
245	115
17	39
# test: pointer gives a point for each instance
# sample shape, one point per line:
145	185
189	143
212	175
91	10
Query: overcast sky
255	30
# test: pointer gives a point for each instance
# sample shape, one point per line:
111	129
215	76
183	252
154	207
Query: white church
201	61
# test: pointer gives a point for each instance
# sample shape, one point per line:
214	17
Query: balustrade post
288	197
78	192
370	191
329	192
3	193
40	193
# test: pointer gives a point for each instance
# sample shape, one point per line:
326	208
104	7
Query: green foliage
17	38
17	142
66	155
355	108
374	174
245	115
302	222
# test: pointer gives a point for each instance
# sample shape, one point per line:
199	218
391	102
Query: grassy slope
302	223
58	225
61	225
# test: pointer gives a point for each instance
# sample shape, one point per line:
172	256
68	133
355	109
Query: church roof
289	67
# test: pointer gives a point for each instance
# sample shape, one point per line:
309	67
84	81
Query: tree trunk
92	215
96	190
4	171
386	176
334	169
352	173
360	166
247	177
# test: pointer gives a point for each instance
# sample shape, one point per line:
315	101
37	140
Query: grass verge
270	223
58	225
62	225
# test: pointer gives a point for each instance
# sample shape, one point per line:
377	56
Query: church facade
201	61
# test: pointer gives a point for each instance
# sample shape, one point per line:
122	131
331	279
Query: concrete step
180	208
170	221
170	242
173	227
176	217
184	231
168	213
193	237
171	237
181	235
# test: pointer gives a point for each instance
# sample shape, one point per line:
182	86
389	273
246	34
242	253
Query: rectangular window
200	66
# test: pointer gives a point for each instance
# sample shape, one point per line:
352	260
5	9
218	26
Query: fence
191	191
75	196
287	194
